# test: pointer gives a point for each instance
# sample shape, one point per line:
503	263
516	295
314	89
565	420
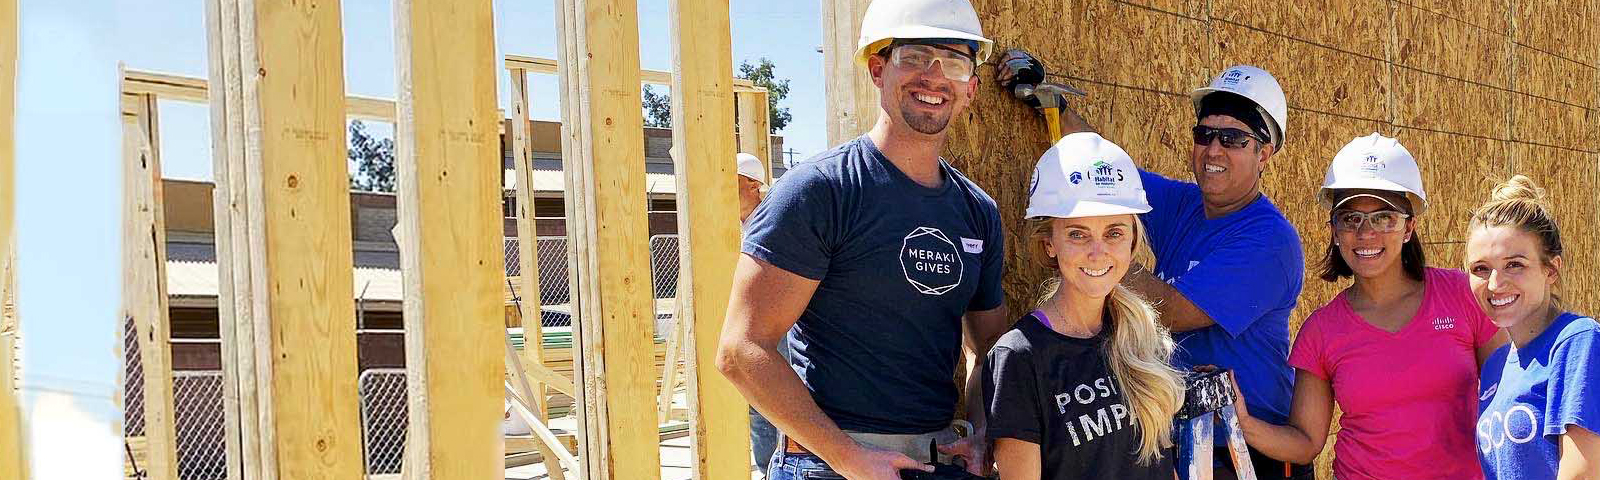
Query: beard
925	123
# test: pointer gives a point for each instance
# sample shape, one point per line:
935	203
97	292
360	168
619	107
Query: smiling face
1091	253
1228	177
1369	252
923	100
1510	277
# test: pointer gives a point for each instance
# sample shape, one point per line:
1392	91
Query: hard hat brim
985	45
1087	208
1419	203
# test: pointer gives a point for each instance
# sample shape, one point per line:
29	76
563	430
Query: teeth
1501	302
1368	252
1215	168
1095	273
929	99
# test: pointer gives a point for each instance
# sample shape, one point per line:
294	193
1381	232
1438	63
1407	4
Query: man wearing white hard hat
752	178
885	260
1092	348
1399	348
1229	267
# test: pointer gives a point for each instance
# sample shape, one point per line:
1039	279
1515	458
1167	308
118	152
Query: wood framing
301	320
447	157
755	128
144	291
529	317
652	77
852	99
13	465
231	227
708	228
604	162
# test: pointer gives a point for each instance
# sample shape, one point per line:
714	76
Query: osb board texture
1476	89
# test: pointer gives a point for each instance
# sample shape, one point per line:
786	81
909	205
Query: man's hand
870	463
972	448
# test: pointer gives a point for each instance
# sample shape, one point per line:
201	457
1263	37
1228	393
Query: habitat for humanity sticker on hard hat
1084	175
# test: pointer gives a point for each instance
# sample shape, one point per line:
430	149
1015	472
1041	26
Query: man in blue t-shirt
1229	265
885	261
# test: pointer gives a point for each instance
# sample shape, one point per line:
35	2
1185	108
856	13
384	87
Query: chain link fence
132	382
664	265
383	419
202	453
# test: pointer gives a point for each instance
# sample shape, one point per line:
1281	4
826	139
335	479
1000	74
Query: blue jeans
799	466
763	440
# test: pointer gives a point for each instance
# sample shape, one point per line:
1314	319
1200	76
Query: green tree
657	108
761	74
371	159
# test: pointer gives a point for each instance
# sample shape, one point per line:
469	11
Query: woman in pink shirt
1399	349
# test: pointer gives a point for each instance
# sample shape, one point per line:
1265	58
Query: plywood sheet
1436	43
1427	101
1457	171
1492	15
1563	27
1547	122
1359	26
1312	77
1544	75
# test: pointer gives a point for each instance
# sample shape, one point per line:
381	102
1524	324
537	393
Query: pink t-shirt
1409	398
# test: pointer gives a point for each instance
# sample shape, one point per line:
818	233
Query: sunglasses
955	64
1383	221
1232	138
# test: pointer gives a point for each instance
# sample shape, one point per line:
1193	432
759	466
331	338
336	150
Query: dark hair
1520	203
1412	260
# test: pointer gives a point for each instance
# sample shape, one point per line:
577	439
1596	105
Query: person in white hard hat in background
1229	266
1093	348
1399	349
752	180
885	260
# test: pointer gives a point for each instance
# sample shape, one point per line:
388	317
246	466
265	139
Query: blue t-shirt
898	265
1244	270
1528	396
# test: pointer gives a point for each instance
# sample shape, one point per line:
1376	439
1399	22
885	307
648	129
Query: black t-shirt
1058	392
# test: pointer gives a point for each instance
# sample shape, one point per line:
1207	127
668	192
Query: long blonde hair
1140	347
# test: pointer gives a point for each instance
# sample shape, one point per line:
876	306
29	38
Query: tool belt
913	445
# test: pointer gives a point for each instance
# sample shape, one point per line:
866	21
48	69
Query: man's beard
924	123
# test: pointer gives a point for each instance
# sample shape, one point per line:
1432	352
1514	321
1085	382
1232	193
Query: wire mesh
383	419
664	265
197	401
132	382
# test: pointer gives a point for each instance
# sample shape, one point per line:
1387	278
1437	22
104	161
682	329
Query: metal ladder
1209	397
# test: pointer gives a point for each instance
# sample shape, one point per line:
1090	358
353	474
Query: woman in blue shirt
1539	397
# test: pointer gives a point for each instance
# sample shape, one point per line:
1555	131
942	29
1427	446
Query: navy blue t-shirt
1529	397
899	264
1243	269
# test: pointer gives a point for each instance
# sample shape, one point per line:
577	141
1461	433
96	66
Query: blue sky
69	185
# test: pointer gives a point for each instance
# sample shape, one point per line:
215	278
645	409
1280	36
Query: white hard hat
1084	175
887	20
751	167
1375	162
1256	85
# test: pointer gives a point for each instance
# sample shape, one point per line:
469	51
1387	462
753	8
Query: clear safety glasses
956	66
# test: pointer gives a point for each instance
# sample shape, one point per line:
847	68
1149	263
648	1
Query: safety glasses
957	66
1232	138
1383	221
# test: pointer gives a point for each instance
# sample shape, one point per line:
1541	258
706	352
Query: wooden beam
852	99
755	131
11	431
447	153
651	77
605	174
241	421
708	228
144	291
529	318
194	90
300	274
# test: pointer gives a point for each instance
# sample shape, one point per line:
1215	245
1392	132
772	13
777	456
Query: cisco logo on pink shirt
1444	323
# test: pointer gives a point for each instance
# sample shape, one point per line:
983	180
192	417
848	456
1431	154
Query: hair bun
1519	187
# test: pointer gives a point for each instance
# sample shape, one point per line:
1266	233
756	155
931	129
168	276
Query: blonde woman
1081	388
1539	397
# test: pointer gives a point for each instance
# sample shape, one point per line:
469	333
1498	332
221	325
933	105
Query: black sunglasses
1231	137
